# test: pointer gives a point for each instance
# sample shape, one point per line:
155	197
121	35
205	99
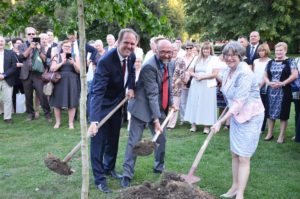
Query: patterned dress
243	96
279	99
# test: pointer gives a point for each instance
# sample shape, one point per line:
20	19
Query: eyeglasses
230	55
30	34
165	52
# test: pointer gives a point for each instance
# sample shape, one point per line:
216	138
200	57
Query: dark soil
58	166
171	186
144	148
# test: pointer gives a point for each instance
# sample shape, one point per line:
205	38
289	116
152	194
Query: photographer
31	79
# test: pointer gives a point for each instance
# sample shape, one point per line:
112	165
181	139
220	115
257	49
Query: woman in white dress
201	106
246	113
259	66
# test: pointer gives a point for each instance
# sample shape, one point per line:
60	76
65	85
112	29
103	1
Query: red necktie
124	67
165	89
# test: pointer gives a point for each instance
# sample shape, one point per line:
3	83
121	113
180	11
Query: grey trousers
183	100
135	135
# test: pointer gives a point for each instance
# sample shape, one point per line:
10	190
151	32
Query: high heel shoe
71	126
56	126
193	129
269	139
280	140
228	195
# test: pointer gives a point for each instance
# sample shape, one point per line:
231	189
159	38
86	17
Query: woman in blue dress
278	76
246	113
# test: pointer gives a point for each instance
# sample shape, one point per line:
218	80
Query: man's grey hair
236	48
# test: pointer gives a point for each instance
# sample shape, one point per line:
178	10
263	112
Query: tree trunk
83	95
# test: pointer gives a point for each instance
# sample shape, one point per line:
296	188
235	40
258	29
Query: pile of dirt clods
171	186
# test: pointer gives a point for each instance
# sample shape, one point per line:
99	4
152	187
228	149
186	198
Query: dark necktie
124	67
165	89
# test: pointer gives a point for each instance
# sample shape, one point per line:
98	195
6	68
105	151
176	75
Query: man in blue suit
114	73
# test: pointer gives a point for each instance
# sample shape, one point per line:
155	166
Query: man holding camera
31	79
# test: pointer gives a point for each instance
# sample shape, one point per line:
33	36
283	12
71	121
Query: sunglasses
188	48
30	34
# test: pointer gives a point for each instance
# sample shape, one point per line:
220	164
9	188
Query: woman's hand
274	85
216	127
199	77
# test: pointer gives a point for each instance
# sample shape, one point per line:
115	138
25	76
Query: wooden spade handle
203	148
163	125
77	147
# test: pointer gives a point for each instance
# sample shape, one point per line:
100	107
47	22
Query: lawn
275	169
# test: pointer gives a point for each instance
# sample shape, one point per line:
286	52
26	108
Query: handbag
20	103
48	88
50	76
295	85
37	63
188	78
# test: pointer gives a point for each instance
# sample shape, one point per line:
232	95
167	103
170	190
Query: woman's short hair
236	48
282	44
264	47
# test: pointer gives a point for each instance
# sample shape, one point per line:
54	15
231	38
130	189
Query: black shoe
125	182
113	174
30	118
8	121
104	188
157	171
269	139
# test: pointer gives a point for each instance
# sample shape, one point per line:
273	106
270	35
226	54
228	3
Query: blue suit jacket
10	67
108	84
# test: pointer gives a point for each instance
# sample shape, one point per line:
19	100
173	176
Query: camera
68	56
36	39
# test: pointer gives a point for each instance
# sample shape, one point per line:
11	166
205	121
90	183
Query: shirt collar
161	64
120	56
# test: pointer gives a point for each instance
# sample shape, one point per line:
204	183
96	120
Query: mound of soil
171	186
144	148
58	166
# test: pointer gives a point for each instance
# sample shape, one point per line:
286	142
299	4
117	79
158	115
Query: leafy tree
62	16
276	20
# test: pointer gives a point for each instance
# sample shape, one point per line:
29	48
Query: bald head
164	50
254	37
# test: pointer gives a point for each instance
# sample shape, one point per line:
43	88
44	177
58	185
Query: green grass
275	169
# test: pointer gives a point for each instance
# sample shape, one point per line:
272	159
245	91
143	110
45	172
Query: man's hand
1	77
93	129
175	108
32	45
19	64
130	93
157	127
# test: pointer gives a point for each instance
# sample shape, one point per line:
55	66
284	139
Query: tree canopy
276	20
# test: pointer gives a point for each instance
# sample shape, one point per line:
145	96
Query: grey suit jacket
147	104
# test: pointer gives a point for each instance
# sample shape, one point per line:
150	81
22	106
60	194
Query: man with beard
150	105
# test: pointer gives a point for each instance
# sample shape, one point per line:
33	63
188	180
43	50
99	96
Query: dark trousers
34	82
17	88
297	119
104	147
263	97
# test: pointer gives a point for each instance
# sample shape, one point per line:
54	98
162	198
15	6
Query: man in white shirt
7	79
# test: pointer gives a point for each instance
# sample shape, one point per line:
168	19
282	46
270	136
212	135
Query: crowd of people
193	81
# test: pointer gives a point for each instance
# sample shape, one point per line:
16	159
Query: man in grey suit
32	80
149	106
